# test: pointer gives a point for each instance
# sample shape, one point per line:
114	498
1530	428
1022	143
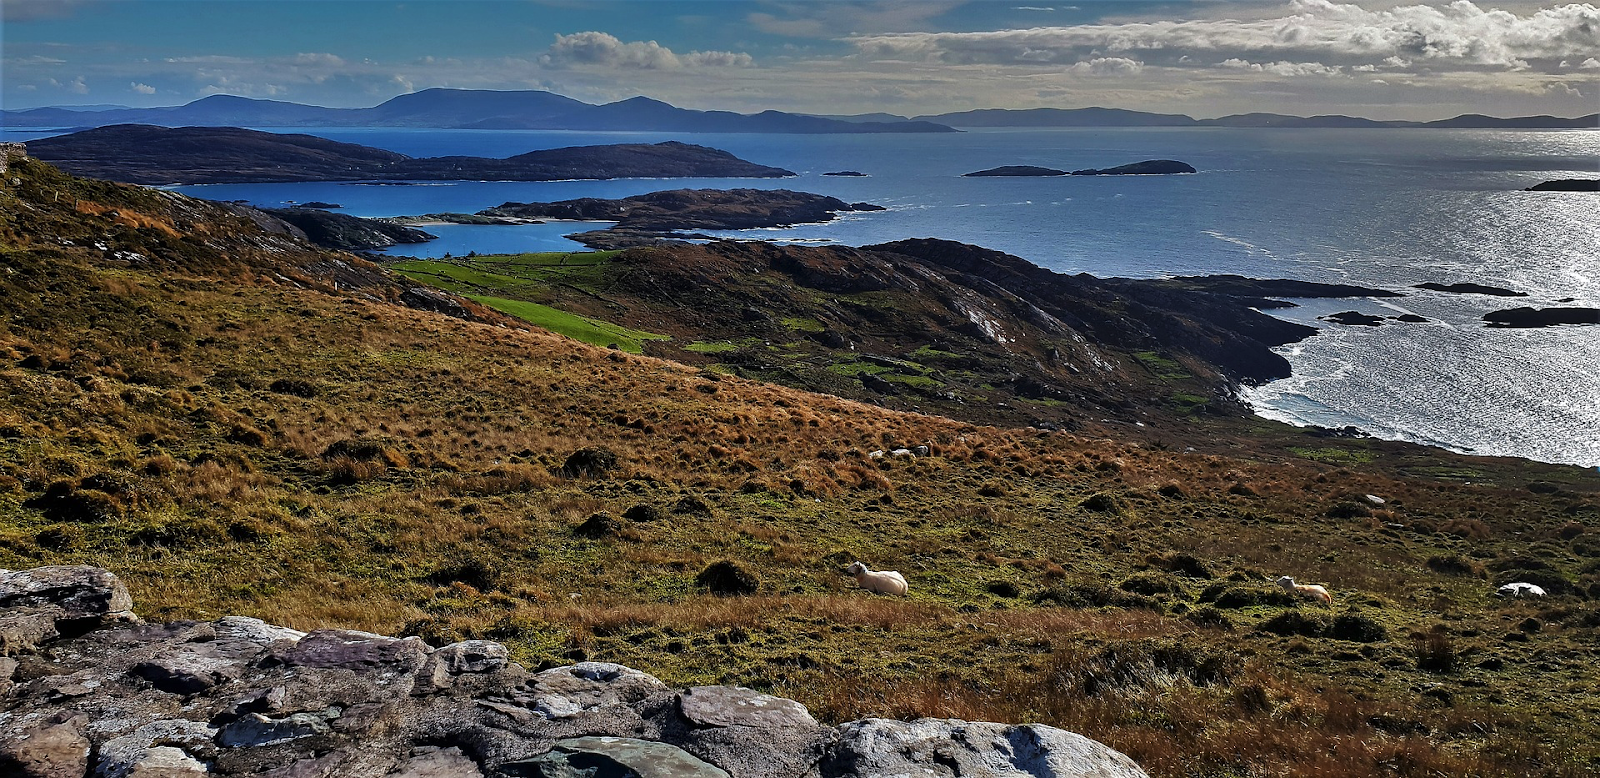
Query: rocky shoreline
86	688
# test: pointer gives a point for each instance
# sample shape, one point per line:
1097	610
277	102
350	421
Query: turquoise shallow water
1384	208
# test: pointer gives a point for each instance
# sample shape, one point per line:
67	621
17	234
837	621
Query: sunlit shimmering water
1381	208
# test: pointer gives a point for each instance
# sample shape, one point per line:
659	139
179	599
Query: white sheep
880	582
1312	591
1520	589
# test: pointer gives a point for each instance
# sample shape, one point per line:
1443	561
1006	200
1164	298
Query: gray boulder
353	650
563	692
473	656
951	747
438	763
736	706
24	629
614	757
54	748
165	747
80	591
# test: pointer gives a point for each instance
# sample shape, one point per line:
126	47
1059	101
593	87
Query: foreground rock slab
110	697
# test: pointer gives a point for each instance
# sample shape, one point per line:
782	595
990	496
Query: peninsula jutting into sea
394	392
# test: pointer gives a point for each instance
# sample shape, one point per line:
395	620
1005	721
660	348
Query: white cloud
1282	68
1590	63
143	89
315	59
1107	67
76	86
1459	36
600	49
718	59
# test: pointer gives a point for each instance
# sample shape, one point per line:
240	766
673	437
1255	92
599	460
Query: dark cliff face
143	154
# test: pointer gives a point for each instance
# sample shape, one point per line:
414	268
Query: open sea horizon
1382	208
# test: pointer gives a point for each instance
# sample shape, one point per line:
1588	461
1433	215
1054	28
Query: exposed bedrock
87	689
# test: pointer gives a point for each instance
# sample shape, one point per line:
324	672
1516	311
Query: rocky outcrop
350	233
1542	317
10	151
107	696
143	154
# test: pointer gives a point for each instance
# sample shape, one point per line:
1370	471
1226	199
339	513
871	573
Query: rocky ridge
86	688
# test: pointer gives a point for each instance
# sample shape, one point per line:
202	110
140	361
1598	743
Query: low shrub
1358	628
589	462
1235	595
1453	564
1311	625
1151	584
728	578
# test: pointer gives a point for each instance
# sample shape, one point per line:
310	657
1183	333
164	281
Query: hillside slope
237	422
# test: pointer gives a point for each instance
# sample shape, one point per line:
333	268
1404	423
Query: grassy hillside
235	423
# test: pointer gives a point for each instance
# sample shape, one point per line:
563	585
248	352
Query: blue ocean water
1381	208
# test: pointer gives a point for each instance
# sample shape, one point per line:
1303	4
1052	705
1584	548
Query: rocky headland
144	154
350	233
88	688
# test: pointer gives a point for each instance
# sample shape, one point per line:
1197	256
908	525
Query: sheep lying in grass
1312	591
881	582
1520	589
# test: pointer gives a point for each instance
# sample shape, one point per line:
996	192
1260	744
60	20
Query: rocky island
1149	167
1541	317
144	154
1567	185
649	218
1015	170
1470	288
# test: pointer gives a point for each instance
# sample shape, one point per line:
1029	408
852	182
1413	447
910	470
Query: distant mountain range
482	109
1116	117
459	109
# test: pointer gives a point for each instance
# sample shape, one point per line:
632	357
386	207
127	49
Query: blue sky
1388	59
